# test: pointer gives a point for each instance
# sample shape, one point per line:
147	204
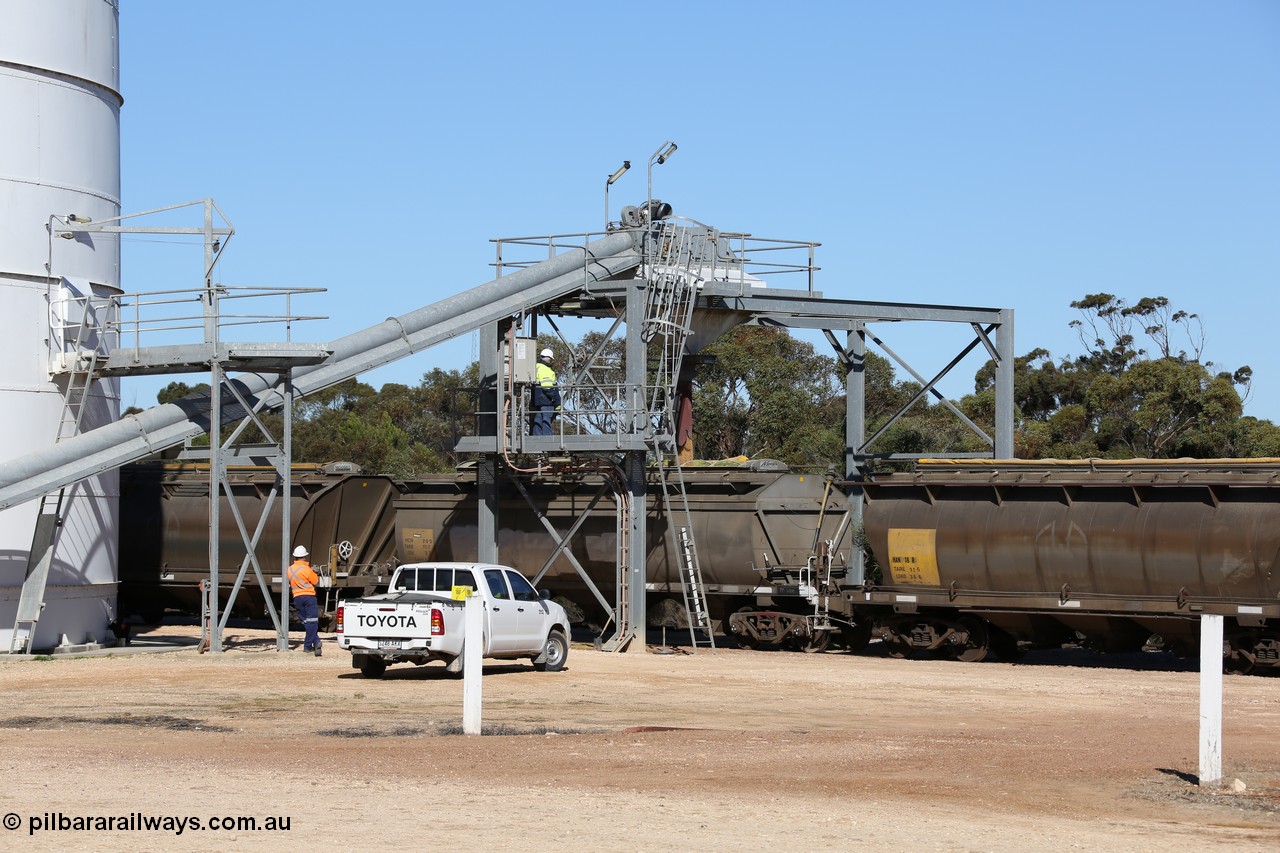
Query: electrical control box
523	367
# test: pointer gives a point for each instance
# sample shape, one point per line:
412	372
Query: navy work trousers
309	613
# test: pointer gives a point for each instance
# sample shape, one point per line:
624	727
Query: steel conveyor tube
138	436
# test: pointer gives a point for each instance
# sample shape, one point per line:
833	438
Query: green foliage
1116	400
760	392
177	390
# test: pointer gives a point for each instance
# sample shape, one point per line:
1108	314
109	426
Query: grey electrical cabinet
524	366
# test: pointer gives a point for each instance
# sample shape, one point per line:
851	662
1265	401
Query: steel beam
138	436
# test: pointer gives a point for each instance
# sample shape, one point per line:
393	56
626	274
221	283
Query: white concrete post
472	664
1210	700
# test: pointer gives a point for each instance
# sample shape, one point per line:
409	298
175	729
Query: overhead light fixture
664	152
626	164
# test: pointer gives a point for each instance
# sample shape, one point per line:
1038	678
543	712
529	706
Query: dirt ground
738	750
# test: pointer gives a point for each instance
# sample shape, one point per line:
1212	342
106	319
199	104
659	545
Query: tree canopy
1138	389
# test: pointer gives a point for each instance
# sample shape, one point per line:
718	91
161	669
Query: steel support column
216	478
1004	387
137	436
637	613
634	465
284	471
487	468
855	433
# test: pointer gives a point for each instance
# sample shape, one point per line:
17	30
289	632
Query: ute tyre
372	666
555	654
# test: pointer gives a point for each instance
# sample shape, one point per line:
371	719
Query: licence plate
388	644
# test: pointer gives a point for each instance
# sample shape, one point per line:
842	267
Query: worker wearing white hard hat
546	396
302	581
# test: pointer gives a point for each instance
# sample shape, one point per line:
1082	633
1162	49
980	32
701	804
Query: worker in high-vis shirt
303	580
546	396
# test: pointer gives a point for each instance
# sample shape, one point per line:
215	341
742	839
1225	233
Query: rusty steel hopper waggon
965	559
978	557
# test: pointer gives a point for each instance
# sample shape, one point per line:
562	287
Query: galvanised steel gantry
665	285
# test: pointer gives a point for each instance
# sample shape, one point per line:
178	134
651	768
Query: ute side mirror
544	594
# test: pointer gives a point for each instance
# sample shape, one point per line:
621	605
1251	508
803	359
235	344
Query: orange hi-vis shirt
302	578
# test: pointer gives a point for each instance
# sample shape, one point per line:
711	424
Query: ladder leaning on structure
675	503
77	367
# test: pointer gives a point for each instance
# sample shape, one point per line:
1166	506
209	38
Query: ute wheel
978	646
555	653
372	666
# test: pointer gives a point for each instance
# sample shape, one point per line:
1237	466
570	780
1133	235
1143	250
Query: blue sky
998	154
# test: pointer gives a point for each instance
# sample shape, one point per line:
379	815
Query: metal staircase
75	365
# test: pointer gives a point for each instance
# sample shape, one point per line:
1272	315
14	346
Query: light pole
626	164
665	150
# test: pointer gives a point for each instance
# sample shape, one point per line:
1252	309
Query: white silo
59	156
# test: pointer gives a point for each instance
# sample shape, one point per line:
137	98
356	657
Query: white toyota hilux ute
418	620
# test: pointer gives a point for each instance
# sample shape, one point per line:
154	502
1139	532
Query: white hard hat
547	353
300	551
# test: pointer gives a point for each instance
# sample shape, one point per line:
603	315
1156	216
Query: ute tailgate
402	616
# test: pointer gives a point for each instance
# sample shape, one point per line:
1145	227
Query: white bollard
472	664
1210	700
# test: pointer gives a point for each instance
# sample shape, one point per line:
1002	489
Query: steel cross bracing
633	414
724	287
137	436
596	277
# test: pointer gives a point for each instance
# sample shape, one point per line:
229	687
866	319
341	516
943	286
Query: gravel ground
739	750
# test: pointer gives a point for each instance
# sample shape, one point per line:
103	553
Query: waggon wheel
744	640
977	647
1239	660
816	642
895	646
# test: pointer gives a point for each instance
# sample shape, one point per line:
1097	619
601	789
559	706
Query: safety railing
734	259
135	316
